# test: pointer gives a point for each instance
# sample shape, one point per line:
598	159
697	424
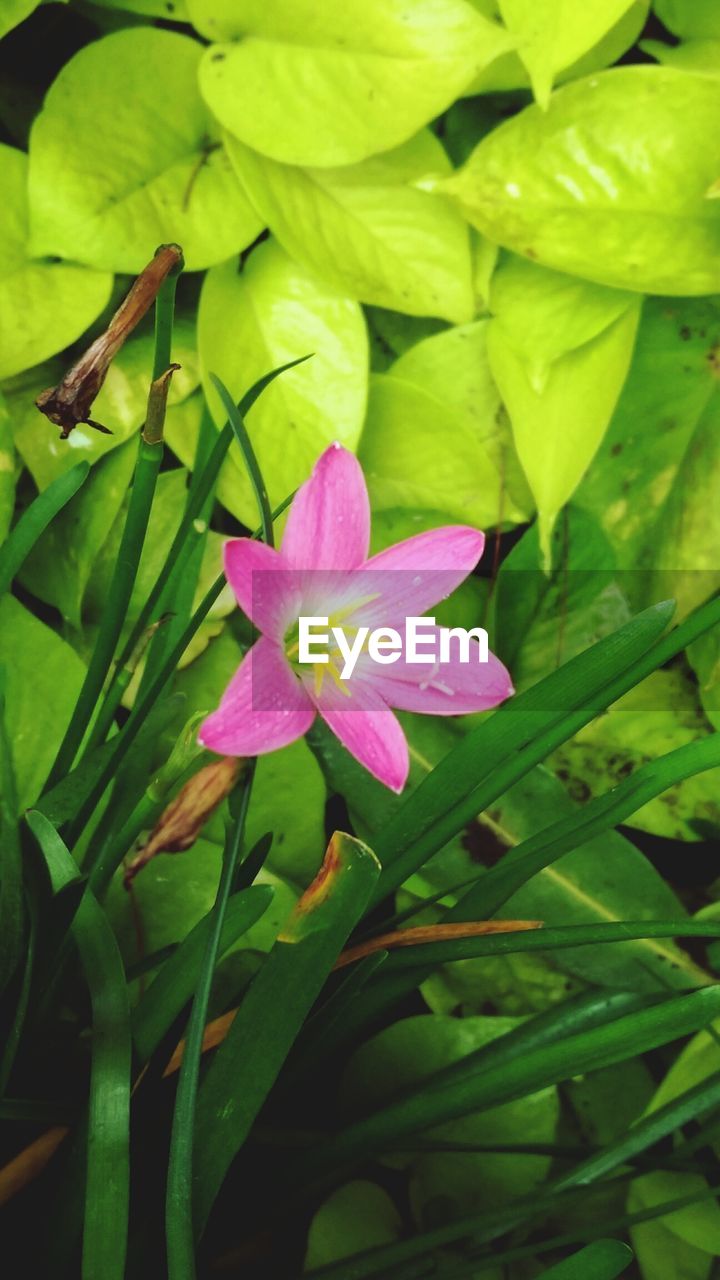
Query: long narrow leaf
108	1168
247	1063
33	522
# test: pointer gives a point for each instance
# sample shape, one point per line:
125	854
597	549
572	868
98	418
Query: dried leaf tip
70	402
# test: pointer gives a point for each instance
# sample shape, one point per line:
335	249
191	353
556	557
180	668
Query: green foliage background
496	226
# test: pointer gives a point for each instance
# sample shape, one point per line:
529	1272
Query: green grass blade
11	877
524	731
142	492
108	1166
444	1098
179	1235
144	705
33	522
237	423
275	1006
550	939
183	546
602	1260
173	987
599	815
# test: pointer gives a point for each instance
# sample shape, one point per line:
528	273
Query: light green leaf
59	567
560	411
585	188
661	713
697	1224
509	72
171	10
120	406
542	620
692	55
419	452
324	86
690	19
14	12
552	34
43	306
661	1255
125	156
413	1049
454	368
43	679
248	324
356	1216
367	229
174	892
653	483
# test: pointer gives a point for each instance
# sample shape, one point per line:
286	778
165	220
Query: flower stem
178	1216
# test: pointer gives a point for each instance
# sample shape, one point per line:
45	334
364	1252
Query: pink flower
323	569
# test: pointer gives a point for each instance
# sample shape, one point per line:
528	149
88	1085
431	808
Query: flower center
336	660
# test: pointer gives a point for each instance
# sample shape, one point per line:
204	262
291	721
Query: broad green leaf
174	892
661	713
120	406
125	156
652	485
541	620
585	188
454	368
661	1255
167	509
367	229
545	314
697	1224
44	306
509	71
171	10
420	452
253	321
356	1216
409	1052
690	19
691	55
552	34
601	1260
15	12
453	1094
59	567
605	879
558	426
376	75
271	1015
43	679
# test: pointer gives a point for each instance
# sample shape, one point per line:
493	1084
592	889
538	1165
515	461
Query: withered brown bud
182	821
70	402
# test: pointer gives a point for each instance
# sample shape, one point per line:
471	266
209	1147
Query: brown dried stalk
70	402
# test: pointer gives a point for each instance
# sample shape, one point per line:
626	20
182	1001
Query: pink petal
264	707
367	728
419	572
329	522
266	589
445	689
